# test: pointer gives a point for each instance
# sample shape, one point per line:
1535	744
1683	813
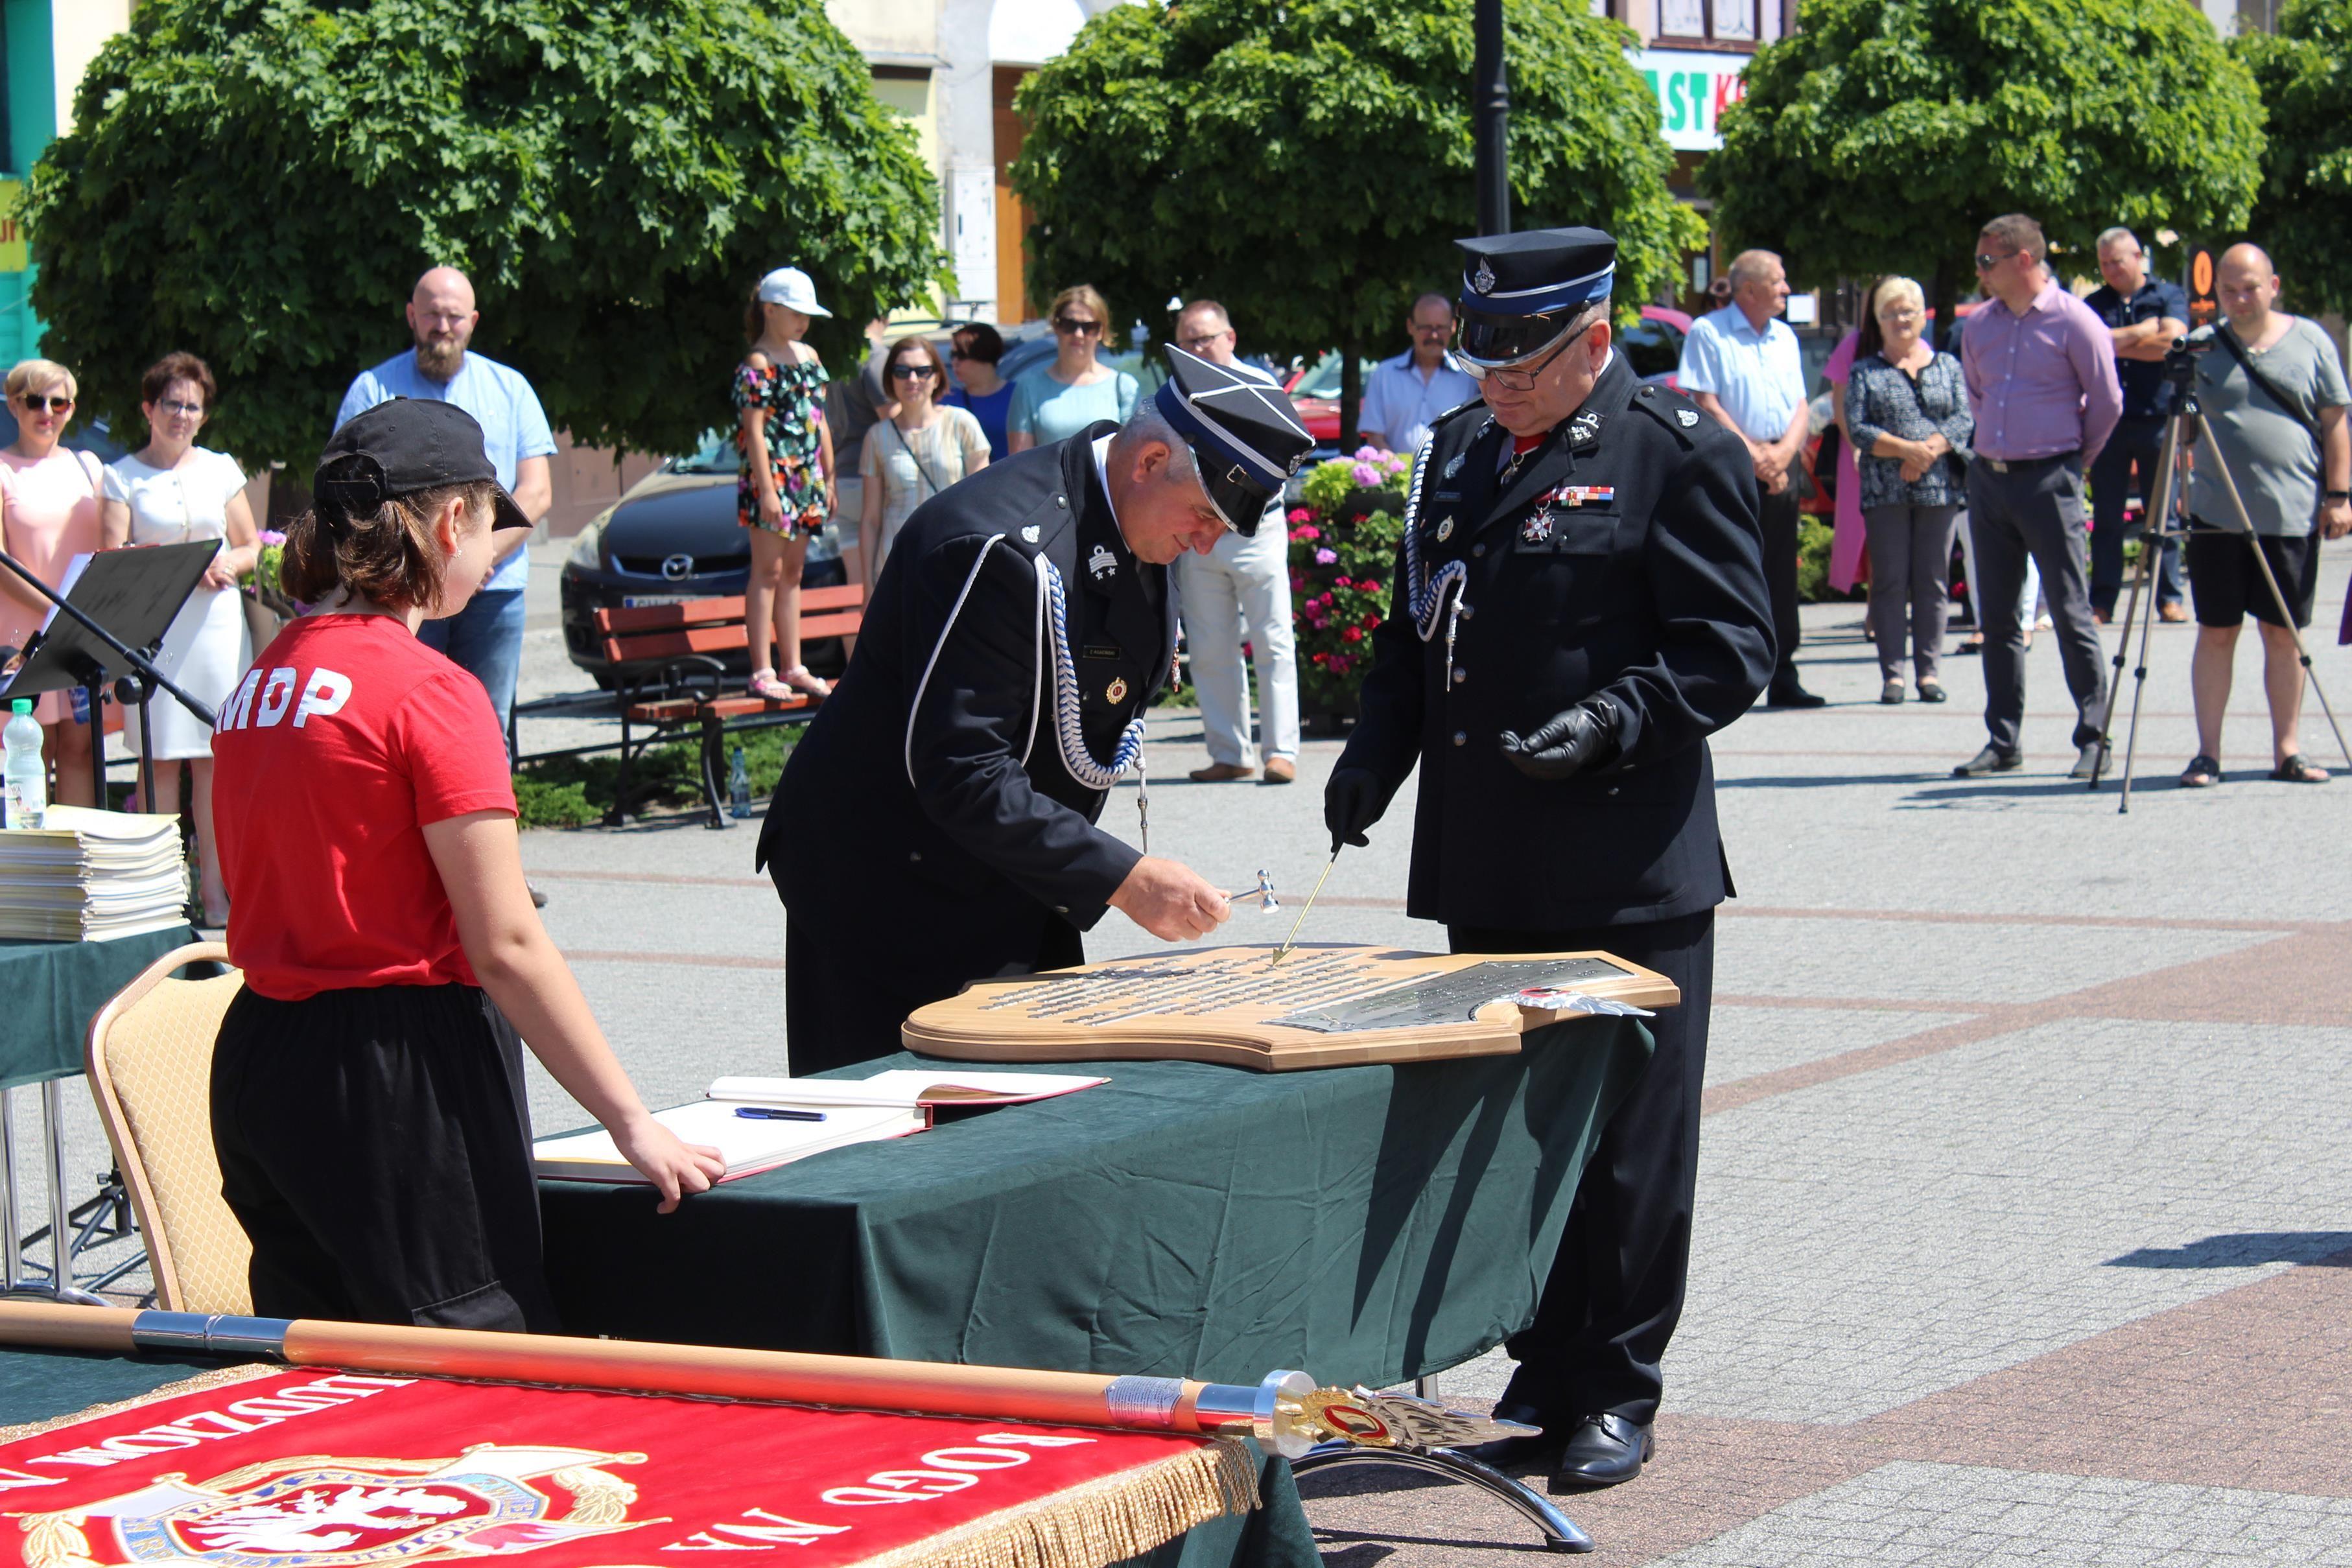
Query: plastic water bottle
28	778
739	789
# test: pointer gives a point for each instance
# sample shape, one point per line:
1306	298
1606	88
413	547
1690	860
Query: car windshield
715	455
1323	381
1651	348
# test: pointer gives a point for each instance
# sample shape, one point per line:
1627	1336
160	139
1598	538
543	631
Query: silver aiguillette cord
1292	940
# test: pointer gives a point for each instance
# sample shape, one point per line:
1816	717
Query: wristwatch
2332	496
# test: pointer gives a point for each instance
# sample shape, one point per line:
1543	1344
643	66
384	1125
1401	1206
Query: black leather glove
1352	801
1565	744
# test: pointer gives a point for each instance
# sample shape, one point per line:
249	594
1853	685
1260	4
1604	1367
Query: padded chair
149	1060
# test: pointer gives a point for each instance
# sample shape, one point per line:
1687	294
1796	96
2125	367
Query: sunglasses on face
1076	328
912	372
35	403
1987	263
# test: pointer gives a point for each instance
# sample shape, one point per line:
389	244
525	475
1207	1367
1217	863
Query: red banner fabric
316	1468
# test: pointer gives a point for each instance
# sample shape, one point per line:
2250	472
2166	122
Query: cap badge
1536	529
1454	465
1298	460
1029	535
1102	563
1117	691
1686	417
1483	280
1444	530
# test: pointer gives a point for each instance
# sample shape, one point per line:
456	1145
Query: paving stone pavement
2021	1232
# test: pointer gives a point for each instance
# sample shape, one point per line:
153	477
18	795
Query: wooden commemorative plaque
1325	1005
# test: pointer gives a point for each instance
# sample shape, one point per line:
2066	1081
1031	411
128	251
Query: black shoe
2091	762
1507	1453
1788	694
1990	760
1603	1451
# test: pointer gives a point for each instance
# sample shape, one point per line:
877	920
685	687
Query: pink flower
1300	515
270	536
1341	664
1326	556
1310	534
1365	474
1368	586
1352	634
1368	453
1341	583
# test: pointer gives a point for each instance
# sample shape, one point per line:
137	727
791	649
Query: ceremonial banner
263	1468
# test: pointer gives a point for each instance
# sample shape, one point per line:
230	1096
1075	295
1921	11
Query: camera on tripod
2180	360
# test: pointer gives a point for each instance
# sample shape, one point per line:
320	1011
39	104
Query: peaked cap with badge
1008	652
1244	434
1576	609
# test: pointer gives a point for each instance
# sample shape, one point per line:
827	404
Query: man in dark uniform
936	824
1580	601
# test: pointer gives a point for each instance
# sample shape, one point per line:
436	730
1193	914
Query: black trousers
2133	445
848	989
1779	517
376	1145
1616	1288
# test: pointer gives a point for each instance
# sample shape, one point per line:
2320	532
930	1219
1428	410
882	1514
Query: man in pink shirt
2041	369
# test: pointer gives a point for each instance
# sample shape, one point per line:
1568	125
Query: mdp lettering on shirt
262	699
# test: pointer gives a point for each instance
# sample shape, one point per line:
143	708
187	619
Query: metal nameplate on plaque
1449	999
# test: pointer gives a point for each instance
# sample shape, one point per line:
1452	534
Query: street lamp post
1490	117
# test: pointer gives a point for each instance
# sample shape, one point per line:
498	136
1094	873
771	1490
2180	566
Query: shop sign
1692	90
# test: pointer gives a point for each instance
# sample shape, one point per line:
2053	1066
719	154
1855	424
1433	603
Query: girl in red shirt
367	1090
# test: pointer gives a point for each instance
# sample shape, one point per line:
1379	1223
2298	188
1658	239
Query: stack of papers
905	1086
86	875
748	1145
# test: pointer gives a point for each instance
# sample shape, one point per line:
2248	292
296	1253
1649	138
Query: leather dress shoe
1603	1451
1280	771
1788	694
1220	773
1990	760
1507	1453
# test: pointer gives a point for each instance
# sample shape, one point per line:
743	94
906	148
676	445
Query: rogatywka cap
408	444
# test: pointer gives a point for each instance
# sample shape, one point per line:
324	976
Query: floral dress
791	397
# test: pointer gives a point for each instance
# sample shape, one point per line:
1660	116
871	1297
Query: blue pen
773	1113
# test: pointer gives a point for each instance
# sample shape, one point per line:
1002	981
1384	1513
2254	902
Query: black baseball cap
404	446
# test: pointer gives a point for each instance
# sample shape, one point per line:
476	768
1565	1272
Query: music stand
123	602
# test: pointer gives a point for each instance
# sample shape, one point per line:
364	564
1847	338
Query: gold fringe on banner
1102	1521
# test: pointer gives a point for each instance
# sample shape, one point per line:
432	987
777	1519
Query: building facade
46	45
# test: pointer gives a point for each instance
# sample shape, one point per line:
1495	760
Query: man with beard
485	639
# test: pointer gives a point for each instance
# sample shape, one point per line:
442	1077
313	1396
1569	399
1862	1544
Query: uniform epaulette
1456	411
1673	409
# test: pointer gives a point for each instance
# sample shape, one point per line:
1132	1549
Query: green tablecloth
38	1385
53	990
1363	1224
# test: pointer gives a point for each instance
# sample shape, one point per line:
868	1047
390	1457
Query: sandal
804	684
2299	769
2203	772
764	684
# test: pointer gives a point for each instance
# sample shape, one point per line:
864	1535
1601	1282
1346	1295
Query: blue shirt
513	424
1402	406
2146	395
990	411
1758	376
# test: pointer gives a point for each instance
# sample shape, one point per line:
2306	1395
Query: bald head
2247	287
441	317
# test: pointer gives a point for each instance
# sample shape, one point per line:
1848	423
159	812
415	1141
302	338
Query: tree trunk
1942	305
1351	389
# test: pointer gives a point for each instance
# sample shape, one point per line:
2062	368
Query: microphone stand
150	679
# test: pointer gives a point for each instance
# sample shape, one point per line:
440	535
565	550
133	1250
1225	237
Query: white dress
206	649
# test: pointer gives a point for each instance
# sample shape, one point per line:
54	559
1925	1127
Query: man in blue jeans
486	637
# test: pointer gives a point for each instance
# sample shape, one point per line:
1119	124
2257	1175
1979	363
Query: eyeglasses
192	410
35	403
1200	340
1429	330
1521	377
913	372
1074	327
1987	263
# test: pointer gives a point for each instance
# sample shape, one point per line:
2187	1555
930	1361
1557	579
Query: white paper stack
88	876
748	1144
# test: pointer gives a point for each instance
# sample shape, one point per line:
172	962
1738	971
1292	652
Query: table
54	989
40	1385
1362	1223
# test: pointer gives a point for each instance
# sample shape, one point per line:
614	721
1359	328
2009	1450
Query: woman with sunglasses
49	514
914	454
1075	389
783	488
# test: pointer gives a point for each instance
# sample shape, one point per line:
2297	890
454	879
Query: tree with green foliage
2303	72
262	180
1884	135
1308	163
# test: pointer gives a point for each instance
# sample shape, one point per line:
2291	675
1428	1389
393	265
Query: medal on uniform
1117	691
1579	495
1536	529
1444	530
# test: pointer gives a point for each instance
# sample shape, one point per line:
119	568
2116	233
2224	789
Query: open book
750	1144
906	1087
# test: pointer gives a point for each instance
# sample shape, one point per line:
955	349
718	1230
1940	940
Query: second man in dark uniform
1580	603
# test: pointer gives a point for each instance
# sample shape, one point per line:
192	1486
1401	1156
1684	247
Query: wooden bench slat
707	611
843	625
664	710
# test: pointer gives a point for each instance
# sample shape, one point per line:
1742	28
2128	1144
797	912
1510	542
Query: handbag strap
921	466
2287	405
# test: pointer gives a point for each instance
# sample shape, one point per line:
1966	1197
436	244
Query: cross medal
1536	529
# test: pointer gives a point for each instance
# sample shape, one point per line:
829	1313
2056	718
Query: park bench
681	680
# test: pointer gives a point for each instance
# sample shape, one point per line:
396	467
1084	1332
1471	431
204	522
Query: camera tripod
2168	504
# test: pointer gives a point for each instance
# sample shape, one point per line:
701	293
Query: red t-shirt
346	737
